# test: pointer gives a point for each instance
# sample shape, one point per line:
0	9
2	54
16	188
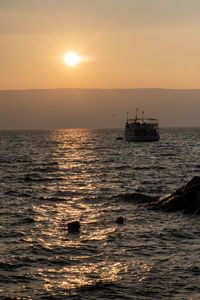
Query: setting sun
72	59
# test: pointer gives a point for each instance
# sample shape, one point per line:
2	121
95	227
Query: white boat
142	129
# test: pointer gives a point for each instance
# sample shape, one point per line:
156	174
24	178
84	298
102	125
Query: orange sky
125	44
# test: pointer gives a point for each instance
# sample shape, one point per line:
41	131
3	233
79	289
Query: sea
49	178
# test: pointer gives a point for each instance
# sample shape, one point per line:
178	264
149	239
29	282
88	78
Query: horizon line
76	88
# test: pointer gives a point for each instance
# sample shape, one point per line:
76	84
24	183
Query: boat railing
144	120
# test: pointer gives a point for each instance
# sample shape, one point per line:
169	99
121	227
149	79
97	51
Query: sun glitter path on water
71	59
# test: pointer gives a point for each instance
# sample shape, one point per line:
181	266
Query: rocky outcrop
186	199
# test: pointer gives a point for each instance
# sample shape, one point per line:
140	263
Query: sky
122	43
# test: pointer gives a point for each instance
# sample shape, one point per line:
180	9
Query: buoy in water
119	138
120	220
74	226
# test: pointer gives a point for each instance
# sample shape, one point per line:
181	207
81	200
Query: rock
119	138
186	199
120	220
74	226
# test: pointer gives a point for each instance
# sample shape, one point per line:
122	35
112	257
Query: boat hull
147	138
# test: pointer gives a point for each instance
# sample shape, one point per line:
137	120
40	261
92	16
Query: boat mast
142	116
136	114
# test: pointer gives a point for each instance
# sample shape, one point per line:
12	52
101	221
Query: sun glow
72	59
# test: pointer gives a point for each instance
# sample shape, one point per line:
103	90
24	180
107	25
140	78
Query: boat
142	129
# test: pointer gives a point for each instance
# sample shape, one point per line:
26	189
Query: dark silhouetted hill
96	108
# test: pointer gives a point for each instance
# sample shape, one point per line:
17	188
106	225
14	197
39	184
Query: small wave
121	167
13	298
29	178
40	249
99	285
142	168
180	235
194	270
58	261
73	193
21	221
136	197
11	193
46	170
28	220
10	266
54	199
13	234
168	154
53	163
27	260
16	194
7	266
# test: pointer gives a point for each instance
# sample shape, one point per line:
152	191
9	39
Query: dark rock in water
74	226
120	220
119	138
186	198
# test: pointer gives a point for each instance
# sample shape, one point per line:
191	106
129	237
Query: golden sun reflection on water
86	258
74	277
78	270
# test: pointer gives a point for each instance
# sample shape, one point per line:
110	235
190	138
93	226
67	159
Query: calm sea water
49	178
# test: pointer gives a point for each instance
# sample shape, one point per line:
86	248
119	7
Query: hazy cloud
26	16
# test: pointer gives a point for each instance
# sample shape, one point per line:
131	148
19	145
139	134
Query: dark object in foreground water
120	220
186	199
119	138
74	226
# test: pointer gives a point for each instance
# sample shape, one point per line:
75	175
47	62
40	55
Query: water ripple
50	178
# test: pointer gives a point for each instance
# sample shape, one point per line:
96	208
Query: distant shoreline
96	89
97	108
